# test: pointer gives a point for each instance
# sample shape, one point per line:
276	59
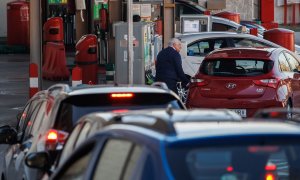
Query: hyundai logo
230	86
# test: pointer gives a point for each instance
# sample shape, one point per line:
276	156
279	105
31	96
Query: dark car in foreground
88	125
246	79
159	149
59	108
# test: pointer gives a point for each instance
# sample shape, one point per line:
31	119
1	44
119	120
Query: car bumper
250	105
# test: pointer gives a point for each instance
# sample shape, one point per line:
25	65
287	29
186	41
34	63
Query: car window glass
194	49
294	64
73	108
83	133
70	144
31	121
77	169
201	48
22	120
245	42
113	159
283	64
132	162
236	67
38	119
236	162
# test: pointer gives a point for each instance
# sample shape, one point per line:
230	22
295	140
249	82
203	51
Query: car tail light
267	82
55	138
229	169
270	167
121	95
270	171
270	176
198	82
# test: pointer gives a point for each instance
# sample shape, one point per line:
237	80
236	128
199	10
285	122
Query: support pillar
168	21
36	38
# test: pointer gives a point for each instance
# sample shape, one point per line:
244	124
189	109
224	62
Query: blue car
155	148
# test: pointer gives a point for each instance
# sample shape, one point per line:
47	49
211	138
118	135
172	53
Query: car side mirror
38	160
8	135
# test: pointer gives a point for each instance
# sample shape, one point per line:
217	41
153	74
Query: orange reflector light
271	167
52	135
270	176
121	95
229	169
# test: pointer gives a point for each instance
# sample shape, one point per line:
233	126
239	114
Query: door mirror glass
8	135
39	160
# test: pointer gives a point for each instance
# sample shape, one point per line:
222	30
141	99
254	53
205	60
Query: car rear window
236	67
72	108
245	162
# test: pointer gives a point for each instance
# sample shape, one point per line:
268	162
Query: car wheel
289	107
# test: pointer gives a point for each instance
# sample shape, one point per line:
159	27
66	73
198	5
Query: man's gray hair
174	41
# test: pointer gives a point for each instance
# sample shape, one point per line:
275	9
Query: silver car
196	46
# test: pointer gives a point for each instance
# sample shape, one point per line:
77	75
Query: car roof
186	131
104	89
241	128
242	53
189	38
173	115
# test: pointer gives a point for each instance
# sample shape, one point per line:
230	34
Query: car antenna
169	110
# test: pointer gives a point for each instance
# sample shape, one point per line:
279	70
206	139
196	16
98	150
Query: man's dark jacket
169	68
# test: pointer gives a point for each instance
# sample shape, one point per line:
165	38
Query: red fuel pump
86	58
159	26
103	19
53	30
18	23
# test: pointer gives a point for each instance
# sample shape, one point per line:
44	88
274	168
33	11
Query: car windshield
75	107
241	162
236	67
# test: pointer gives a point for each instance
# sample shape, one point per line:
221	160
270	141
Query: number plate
241	112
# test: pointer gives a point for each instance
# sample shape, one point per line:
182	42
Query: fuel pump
104	31
66	10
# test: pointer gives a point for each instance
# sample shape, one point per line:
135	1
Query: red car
246	79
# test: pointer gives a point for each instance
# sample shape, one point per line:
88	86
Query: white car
196	46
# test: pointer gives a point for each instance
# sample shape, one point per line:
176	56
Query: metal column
169	21
36	37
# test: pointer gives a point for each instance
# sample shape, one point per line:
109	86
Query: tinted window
115	159
75	107
294	64
31	122
245	162
201	48
38	119
245	42
283	64
236	67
